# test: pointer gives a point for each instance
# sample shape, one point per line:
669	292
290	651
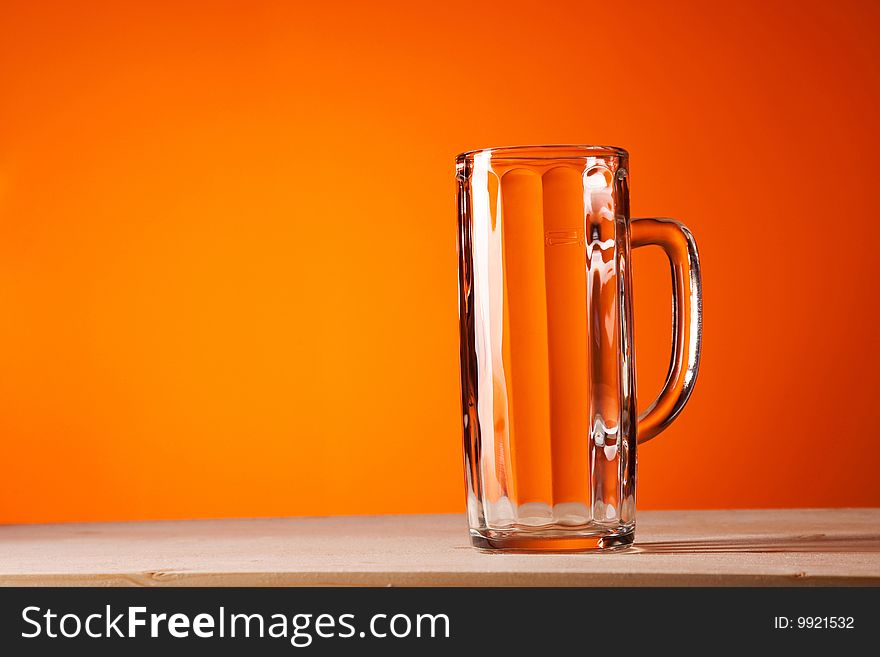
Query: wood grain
724	548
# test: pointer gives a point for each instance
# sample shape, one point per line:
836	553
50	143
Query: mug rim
547	152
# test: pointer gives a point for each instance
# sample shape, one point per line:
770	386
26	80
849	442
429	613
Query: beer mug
547	364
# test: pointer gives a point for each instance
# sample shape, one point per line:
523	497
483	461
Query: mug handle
687	319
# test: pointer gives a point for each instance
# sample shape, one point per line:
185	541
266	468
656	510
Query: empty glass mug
547	368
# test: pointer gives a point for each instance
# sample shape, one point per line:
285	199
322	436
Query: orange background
227	243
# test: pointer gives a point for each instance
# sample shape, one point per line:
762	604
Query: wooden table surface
763	548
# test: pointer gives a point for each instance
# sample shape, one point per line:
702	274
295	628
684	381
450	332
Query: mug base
516	540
